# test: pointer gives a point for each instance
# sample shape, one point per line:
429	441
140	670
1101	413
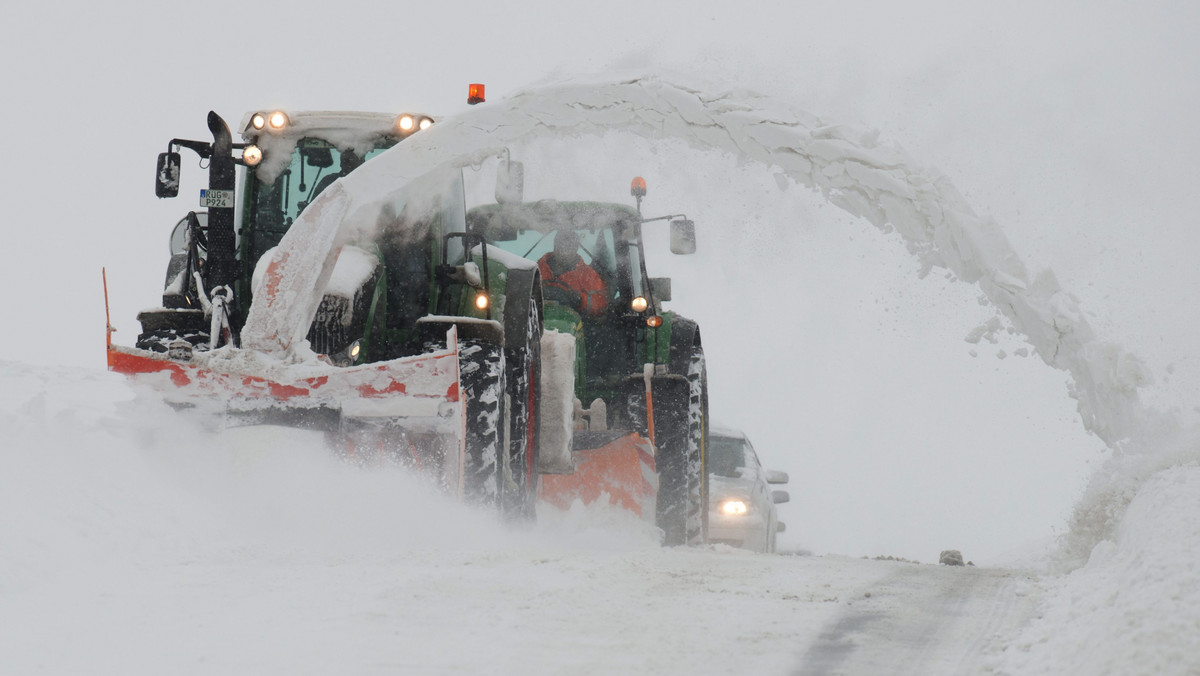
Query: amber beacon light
475	94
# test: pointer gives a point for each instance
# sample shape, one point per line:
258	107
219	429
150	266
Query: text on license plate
216	199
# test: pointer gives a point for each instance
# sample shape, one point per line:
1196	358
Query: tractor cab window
595	247
315	165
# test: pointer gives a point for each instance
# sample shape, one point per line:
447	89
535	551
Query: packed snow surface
147	544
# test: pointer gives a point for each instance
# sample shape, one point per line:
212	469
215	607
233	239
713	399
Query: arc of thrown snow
851	168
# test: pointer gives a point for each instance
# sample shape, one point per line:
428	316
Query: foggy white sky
1071	125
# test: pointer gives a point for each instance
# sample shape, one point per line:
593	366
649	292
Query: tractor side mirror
660	288
166	176
683	237
510	182
780	497
774	476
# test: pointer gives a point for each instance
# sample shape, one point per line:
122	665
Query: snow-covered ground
134	544
128	557
128	544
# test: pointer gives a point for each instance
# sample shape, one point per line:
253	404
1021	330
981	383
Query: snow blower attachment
415	344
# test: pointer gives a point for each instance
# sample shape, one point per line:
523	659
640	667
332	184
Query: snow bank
1134	608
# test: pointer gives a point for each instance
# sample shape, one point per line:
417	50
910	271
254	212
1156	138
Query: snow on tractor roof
358	131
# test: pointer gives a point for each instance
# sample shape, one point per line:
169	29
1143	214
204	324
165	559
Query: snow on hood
850	167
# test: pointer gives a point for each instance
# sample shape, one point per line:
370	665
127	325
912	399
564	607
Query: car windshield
726	455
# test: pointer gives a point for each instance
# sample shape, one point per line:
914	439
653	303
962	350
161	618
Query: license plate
216	199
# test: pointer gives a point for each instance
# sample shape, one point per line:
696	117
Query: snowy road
134	544
923	620
131	544
508	610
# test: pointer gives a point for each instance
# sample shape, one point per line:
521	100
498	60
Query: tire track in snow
921	620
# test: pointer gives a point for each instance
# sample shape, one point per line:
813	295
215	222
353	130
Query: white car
741	507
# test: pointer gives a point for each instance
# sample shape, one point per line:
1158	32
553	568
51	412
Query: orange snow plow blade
421	392
617	466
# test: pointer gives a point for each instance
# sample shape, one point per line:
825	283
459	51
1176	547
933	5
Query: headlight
348	356
278	120
405	123
733	508
252	155
258	121
481	301
639	304
654	322
425	123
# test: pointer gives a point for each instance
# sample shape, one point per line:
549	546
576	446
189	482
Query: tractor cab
638	367
292	158
596	287
287	159
393	332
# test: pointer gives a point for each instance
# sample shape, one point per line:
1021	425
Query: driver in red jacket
567	279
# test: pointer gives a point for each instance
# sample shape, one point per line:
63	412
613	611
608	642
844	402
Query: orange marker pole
107	321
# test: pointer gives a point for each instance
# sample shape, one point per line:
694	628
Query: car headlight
733	507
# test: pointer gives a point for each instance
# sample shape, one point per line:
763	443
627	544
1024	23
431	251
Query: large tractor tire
680	440
523	358
697	451
681	434
482	382
671	459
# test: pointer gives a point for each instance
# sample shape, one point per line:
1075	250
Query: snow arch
851	168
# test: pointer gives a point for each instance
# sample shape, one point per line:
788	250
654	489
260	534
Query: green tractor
421	347
645	364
